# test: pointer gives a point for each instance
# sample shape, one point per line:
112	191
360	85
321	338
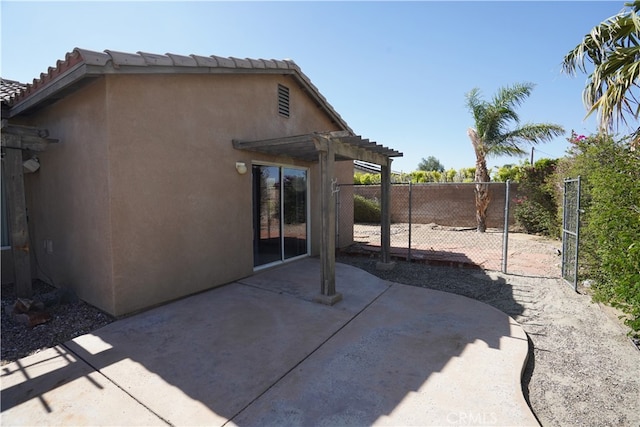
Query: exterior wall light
241	167
31	165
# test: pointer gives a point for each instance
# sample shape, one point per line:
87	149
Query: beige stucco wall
181	214
68	197
141	198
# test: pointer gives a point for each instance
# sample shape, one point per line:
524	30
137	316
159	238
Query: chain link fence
431	222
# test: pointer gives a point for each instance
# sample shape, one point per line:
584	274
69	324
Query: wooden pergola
327	148
15	141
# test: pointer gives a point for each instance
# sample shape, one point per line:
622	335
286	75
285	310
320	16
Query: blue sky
397	72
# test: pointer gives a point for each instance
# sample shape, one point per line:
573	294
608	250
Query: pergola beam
347	146
358	153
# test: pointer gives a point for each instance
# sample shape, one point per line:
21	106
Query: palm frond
613	49
512	142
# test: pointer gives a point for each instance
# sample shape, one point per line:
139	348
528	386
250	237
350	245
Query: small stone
32	318
22	305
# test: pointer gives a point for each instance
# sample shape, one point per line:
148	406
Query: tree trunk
481	179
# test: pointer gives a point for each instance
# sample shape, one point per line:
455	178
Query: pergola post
16	139
17	216
326	155
385	262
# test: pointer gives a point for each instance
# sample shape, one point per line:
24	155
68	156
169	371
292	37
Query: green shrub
366	179
533	217
366	210
467	174
512	173
610	233
537	210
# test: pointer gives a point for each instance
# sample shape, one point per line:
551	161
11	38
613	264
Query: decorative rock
22	305
30	313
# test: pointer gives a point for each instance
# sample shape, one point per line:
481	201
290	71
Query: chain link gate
571	231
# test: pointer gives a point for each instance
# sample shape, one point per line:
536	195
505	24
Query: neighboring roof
8	89
81	66
366	167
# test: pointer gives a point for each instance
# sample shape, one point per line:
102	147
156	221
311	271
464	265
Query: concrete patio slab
414	357
301	279
55	388
207	357
260	352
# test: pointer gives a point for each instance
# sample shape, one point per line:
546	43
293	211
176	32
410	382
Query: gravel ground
583	370
70	318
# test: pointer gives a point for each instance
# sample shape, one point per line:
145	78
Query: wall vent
283	101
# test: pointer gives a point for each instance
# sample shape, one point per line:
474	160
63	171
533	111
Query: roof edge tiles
123	58
83	63
182	61
242	63
205	61
155	59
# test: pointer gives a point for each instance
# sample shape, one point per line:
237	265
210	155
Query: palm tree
493	135
613	49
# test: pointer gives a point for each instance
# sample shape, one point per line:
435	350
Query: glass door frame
281	167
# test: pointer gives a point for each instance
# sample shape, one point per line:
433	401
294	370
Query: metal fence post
505	233
338	214
409	249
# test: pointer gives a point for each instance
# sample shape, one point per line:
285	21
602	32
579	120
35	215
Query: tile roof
82	63
9	88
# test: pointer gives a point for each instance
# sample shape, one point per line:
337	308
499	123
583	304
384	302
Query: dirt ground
583	369
527	254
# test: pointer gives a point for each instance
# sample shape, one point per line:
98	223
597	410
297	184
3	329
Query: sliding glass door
280	213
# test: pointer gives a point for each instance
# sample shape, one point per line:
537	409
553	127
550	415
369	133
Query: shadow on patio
260	352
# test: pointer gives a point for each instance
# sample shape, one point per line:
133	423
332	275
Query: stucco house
160	176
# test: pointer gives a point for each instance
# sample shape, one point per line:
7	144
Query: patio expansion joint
273	291
354	317
97	370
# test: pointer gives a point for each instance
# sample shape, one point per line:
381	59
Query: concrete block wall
450	205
